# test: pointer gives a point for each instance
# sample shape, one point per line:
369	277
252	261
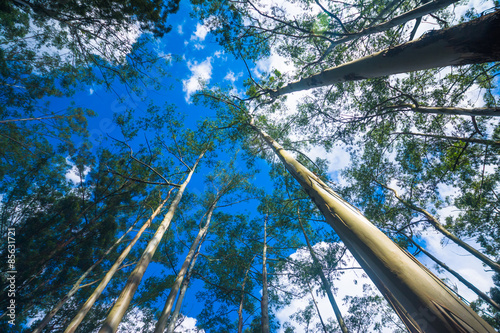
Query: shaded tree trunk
116	314
454	138
420	299
491	112
473	42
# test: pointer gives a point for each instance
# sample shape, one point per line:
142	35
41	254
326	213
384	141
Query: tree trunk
162	322
77	284
458	276
475	112
454	138
264	304
439	227
73	325
324	281
182	293
242	299
317	309
114	318
473	42
420	299
416	13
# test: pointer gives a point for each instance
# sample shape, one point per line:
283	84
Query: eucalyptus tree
223	183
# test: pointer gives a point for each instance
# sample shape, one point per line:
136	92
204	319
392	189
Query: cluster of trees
124	244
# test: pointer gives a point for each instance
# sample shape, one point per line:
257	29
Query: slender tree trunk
317	309
114	318
169	303
182	293
439	227
416	13
75	322
458	276
264	304
324	281
454	138
420	299
491	112
242	299
77	284
473	42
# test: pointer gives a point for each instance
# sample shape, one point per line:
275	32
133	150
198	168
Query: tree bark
162	322
242	299
264	304
458	276
75	322
324	281
114	318
473	42
317	309
421	300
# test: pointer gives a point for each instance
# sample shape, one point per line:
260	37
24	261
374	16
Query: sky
203	61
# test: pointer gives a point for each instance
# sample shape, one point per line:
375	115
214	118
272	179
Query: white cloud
73	174
91	91
179	30
200	32
200	73
231	77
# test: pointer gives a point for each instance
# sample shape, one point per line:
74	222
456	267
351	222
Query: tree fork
421	300
473	42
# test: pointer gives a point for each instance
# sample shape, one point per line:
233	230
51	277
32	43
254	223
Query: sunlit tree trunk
75	322
264	304
473	42
114	318
458	276
324	281
439	227
421	300
78	283
169	303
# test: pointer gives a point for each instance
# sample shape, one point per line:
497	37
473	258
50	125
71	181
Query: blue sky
201	58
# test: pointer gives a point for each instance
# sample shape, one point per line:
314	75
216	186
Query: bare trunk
324	281
473	42
264	304
458	276
242	300
77	284
114	318
75	322
162	322
420	299
477	112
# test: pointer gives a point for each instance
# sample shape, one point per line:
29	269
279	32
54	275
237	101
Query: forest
249	166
